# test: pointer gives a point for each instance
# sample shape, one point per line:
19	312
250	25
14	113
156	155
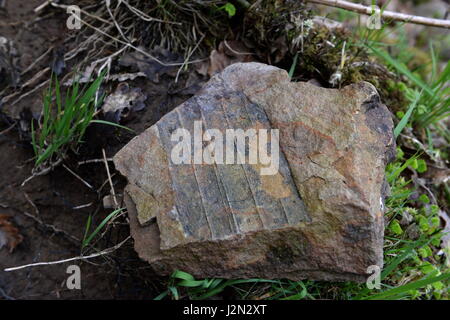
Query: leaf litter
9	234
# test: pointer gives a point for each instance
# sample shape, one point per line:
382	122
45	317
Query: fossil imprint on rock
319	216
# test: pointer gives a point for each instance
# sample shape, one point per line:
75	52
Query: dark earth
42	210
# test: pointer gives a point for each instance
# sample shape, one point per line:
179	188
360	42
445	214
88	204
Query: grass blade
404	121
101	225
404	289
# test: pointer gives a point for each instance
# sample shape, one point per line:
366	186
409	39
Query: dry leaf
9	235
122	101
228	53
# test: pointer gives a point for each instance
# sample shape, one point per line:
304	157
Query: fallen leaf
9	235
122	101
228	53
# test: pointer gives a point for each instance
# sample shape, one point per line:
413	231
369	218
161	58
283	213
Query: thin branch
69	237
104	252
367	10
113	192
7	129
78	177
32	203
83	206
94	161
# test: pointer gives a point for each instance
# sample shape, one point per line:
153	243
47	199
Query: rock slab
320	216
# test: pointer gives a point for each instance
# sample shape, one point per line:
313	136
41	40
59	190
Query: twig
30	83
367	10
41	172
5	295
78	177
51	227
7	129
36	61
32	203
188	57
113	193
115	22
237	52
83	206
42	6
144	16
29	92
104	184
104	252
94	161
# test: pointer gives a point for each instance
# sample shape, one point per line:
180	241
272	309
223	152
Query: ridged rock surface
319	217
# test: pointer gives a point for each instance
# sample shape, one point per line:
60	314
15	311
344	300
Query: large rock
320	216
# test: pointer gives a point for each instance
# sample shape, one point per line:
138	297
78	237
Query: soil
43	209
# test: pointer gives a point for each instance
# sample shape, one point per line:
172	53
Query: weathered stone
319	217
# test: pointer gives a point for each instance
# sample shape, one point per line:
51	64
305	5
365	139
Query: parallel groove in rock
227	119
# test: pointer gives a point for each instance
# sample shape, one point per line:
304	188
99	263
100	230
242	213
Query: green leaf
191	283
230	9
427	268
424	198
423	223
182	275
174	292
162	295
395	227
421	166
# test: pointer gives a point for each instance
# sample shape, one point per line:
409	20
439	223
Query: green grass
63	126
425	80
434	97
89	237
201	289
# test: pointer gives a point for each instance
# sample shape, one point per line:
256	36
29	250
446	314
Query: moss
271	26
279	29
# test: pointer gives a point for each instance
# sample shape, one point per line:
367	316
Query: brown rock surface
319	217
